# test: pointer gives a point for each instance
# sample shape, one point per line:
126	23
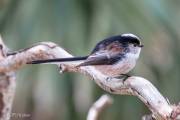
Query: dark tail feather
58	60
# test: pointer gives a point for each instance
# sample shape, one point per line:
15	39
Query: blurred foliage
48	95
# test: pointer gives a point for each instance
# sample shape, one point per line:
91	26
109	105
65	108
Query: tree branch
97	108
136	86
7	86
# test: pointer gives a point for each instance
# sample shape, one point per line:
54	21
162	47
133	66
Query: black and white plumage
112	56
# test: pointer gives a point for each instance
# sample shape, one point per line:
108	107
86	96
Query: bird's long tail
58	60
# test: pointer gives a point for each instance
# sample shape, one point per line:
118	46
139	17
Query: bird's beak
141	46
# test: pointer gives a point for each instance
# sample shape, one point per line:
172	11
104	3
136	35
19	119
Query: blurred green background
77	25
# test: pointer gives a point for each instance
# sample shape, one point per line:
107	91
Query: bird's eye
135	45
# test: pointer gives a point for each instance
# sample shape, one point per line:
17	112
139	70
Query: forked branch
136	86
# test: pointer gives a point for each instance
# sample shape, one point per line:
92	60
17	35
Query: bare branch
147	117
97	108
7	86
137	86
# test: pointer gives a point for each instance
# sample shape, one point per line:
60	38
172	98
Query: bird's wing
102	58
105	54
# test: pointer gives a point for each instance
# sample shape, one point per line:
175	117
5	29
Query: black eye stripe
137	42
121	40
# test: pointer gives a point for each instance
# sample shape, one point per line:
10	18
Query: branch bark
136	86
7	86
98	107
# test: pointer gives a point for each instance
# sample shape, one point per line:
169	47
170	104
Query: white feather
130	35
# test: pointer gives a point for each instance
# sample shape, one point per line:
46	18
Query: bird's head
131	39
125	43
132	43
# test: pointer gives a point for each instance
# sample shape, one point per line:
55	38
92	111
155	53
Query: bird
113	56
